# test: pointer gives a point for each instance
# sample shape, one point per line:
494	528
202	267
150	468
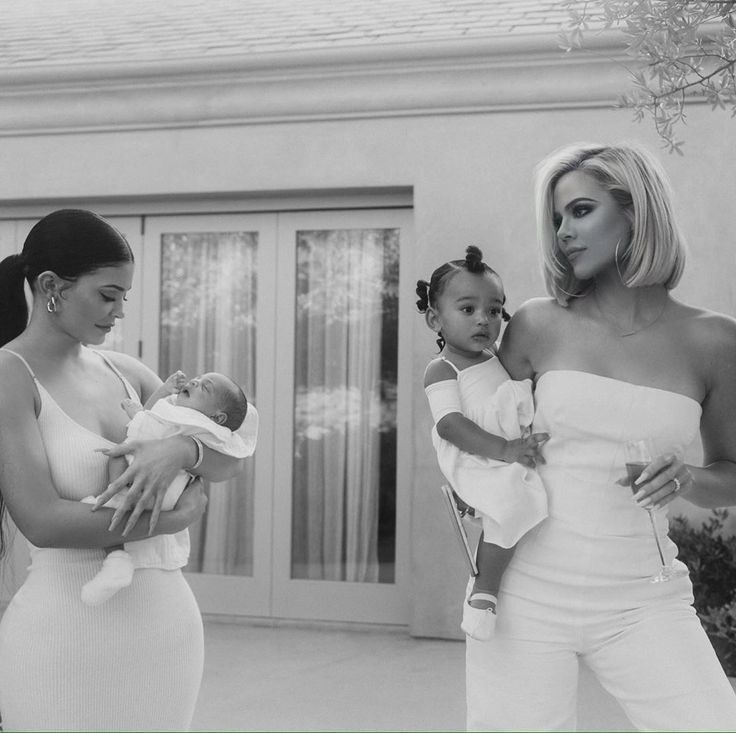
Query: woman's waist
594	504
48	556
586	547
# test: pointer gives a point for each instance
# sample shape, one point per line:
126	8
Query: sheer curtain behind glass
345	379
208	323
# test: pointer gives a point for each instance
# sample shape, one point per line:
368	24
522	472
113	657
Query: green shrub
711	557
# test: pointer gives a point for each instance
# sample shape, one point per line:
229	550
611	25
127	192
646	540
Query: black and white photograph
367	365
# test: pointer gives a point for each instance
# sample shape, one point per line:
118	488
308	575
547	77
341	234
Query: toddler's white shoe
479	623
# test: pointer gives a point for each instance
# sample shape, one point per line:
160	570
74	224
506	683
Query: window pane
344	464
208	323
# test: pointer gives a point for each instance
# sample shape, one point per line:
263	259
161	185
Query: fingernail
642	478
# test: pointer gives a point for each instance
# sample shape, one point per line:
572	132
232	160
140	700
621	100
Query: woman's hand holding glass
655	482
663	478
155	465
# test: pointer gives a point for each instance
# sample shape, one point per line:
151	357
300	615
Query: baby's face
204	393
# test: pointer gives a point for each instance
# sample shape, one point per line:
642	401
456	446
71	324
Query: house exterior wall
470	171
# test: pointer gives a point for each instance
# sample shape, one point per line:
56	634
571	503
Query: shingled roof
63	32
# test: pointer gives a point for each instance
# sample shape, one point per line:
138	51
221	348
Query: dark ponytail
13	306
13	319
68	242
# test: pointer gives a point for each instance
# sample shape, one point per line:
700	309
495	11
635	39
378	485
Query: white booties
479	623
116	573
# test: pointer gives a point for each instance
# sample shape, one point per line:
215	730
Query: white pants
655	659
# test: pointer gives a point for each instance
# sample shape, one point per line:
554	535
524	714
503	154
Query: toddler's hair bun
474	259
422	291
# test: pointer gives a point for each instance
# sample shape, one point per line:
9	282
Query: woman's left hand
154	466
663	480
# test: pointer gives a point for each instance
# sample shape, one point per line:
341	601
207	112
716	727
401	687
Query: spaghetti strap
27	365
447	361
132	394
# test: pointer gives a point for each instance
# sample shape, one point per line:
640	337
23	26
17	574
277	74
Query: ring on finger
677	483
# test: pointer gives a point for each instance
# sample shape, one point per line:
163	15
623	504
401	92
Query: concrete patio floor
290	678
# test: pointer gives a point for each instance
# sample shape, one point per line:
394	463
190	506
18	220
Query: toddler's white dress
509	498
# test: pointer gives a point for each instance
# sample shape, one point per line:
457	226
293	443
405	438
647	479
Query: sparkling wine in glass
638	457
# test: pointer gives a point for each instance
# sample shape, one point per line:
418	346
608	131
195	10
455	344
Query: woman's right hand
154	466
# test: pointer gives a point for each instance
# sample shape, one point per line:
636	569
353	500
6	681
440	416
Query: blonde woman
614	357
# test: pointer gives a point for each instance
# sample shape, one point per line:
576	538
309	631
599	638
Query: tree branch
699	82
671	39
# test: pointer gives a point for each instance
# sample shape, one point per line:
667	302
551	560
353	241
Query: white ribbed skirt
133	663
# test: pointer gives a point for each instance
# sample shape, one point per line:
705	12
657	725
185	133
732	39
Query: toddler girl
476	404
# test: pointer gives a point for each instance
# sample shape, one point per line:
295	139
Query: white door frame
228	594
385	603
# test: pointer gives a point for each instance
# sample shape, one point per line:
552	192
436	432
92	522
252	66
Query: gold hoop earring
561	265
51	304
615	259
559	287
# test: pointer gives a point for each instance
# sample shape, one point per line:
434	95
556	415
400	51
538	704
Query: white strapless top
589	419
596	535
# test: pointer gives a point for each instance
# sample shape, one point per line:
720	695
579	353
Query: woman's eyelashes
491	312
578	211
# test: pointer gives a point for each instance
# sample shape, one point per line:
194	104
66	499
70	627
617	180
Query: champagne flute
638	457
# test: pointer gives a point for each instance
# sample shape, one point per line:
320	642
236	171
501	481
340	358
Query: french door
301	309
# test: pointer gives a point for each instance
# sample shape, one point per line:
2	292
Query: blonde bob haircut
655	252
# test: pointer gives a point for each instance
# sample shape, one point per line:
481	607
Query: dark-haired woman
467	388
134	663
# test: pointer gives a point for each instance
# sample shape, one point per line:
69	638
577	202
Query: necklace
613	324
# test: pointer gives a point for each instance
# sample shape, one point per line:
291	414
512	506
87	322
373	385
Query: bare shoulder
710	332
143	379
708	342
438	370
531	327
17	384
536	313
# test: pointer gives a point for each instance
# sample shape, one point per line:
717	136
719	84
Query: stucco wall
471	180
